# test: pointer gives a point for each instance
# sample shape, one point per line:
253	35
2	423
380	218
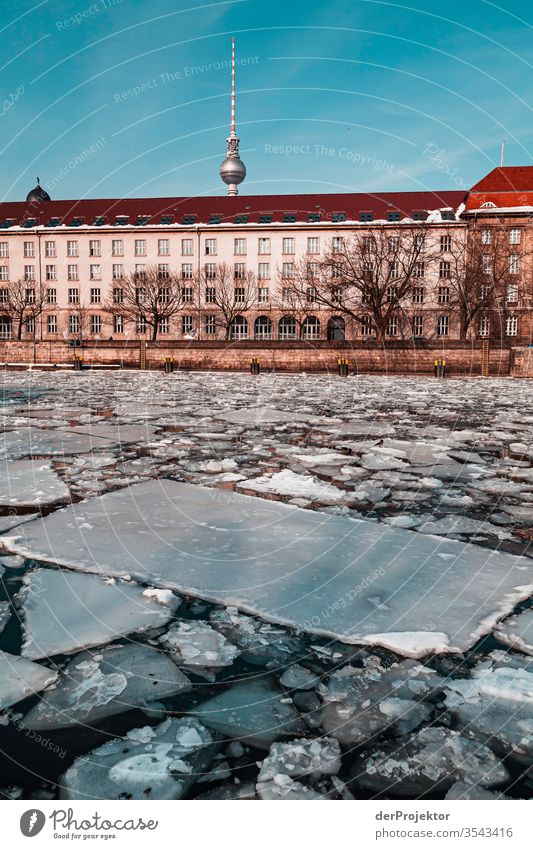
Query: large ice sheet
324	574
20	678
27	482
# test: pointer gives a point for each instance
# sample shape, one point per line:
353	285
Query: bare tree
149	297
294	297
79	320
486	274
26	300
366	277
225	295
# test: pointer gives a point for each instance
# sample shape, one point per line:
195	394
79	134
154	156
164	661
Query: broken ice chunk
148	763
430	760
284	788
291	484
299	678
253	712
360	703
261	643
26	482
303	757
66	611
5	610
517	632
96	685
20	678
196	643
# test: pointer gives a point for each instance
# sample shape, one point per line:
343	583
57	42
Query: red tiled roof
502	200
406	203
507	179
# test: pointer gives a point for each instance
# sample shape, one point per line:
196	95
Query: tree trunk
19	331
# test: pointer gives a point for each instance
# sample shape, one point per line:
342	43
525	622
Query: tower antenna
502	157
232	170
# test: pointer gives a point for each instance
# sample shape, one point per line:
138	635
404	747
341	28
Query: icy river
215	586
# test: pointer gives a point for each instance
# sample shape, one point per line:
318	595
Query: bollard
255	366
440	368
342	364
169	365
78	363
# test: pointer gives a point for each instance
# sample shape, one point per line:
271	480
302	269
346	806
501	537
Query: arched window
262	327
287	328
336	328
238	328
6	327
311	328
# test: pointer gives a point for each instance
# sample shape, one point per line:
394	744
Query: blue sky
349	95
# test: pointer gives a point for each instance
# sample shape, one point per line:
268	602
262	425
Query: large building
264	267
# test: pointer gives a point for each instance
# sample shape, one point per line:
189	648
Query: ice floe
195	643
20	678
28	482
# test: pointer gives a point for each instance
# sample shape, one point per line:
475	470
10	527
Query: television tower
233	169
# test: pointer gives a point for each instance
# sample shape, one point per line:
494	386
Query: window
369	243
186	271
420	241
140	324
95	272
51	296
443	325
486	264
393	216
289	218
286	294
445	243
447	215
263	327
392	294
187	247
118	271
337	244
263	295
444	295
4	272
164	325
187	324
140	294
241	218
311	295
29	249
186	294
367	327
140	247
239	246
514	264
51	323
49	248
96	324
210	247
118	324
4	249
163	247
511	325
117	247
73	324
30	325
95	296
313	245
239	271
392	326
393	243
312	269
486	237
239	295
418	295
417	325
29	272
264	218
288	245
263	245
4	296
140	271
30	296
263	271
210	295
337	217
287	328
210	271
73	296
366	216
287	269
485	291
51	272
95	248
444	268
419	269
484	326
210	325
512	293
394	269
72	272
313	217
72	249
163	271
514	236
118	295
311	328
